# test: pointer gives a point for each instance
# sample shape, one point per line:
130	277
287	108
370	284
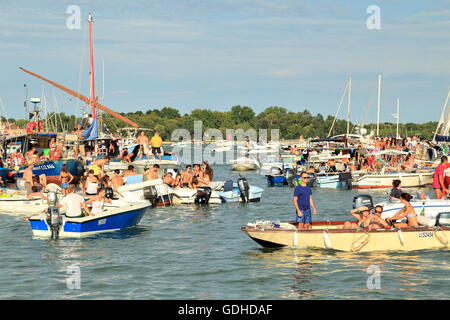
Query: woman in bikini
407	212
366	220
66	178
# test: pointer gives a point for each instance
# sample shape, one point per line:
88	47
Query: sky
216	54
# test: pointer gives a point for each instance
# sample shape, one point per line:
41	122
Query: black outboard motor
362	200
151	194
54	219
346	179
244	189
109	193
203	195
289	176
443	219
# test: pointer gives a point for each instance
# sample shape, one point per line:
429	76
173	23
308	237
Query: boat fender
327	240
441	237
295	238
361	241
401	237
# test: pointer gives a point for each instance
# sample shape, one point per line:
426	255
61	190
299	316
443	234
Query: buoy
401	237
360	242
327	240
441	237
295	238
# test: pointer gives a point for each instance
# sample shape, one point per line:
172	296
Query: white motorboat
16	202
244	164
419	178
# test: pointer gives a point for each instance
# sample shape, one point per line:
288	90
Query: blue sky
216	54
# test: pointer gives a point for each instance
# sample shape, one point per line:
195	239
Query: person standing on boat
91	184
142	141
438	179
303	202
156	143
28	177
66	178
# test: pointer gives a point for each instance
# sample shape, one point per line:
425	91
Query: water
201	253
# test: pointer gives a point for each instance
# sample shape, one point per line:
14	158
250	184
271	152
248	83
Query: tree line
290	124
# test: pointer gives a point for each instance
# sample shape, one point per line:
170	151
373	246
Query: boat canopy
329	140
440	138
390	152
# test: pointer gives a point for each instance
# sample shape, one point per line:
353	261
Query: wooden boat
327	235
115	216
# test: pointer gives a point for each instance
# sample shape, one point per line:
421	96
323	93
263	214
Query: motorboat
118	214
418	178
244	164
16	202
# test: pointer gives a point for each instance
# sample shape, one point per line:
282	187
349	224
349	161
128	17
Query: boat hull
324	236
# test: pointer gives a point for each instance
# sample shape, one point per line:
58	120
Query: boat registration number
426	234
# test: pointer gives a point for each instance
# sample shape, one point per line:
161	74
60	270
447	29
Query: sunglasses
377	211
305	177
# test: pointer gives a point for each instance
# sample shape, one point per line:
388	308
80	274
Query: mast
398	116
348	104
378	114
83	98
92	68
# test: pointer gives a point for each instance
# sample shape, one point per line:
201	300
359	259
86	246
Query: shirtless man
35	193
117	180
100	163
151	174
143	143
130	172
28	177
186	177
168	179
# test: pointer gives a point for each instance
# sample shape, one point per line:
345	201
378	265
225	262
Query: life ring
361	241
441	237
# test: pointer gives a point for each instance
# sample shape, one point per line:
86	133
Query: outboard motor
109	193
151	194
443	219
54	219
244	189
203	195
275	171
362	200
289	176
346	179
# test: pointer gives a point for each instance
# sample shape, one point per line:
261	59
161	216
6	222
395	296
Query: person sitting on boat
35	193
206	176
98	202
29	156
125	156
66	178
74	202
331	165
91	186
365	219
156	143
130	172
407	212
196	170
194	183
117	180
186	176
105	182
169	180
396	191
152	173
303	202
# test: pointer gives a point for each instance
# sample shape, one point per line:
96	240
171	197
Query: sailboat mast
348	104
378	114
92	67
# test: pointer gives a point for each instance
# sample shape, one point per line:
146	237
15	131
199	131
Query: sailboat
52	168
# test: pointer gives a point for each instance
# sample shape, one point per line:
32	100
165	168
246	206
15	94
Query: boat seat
228	186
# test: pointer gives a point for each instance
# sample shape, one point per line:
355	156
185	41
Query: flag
92	131
445	149
422	213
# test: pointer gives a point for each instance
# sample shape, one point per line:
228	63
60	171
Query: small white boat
244	164
419	178
16	202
